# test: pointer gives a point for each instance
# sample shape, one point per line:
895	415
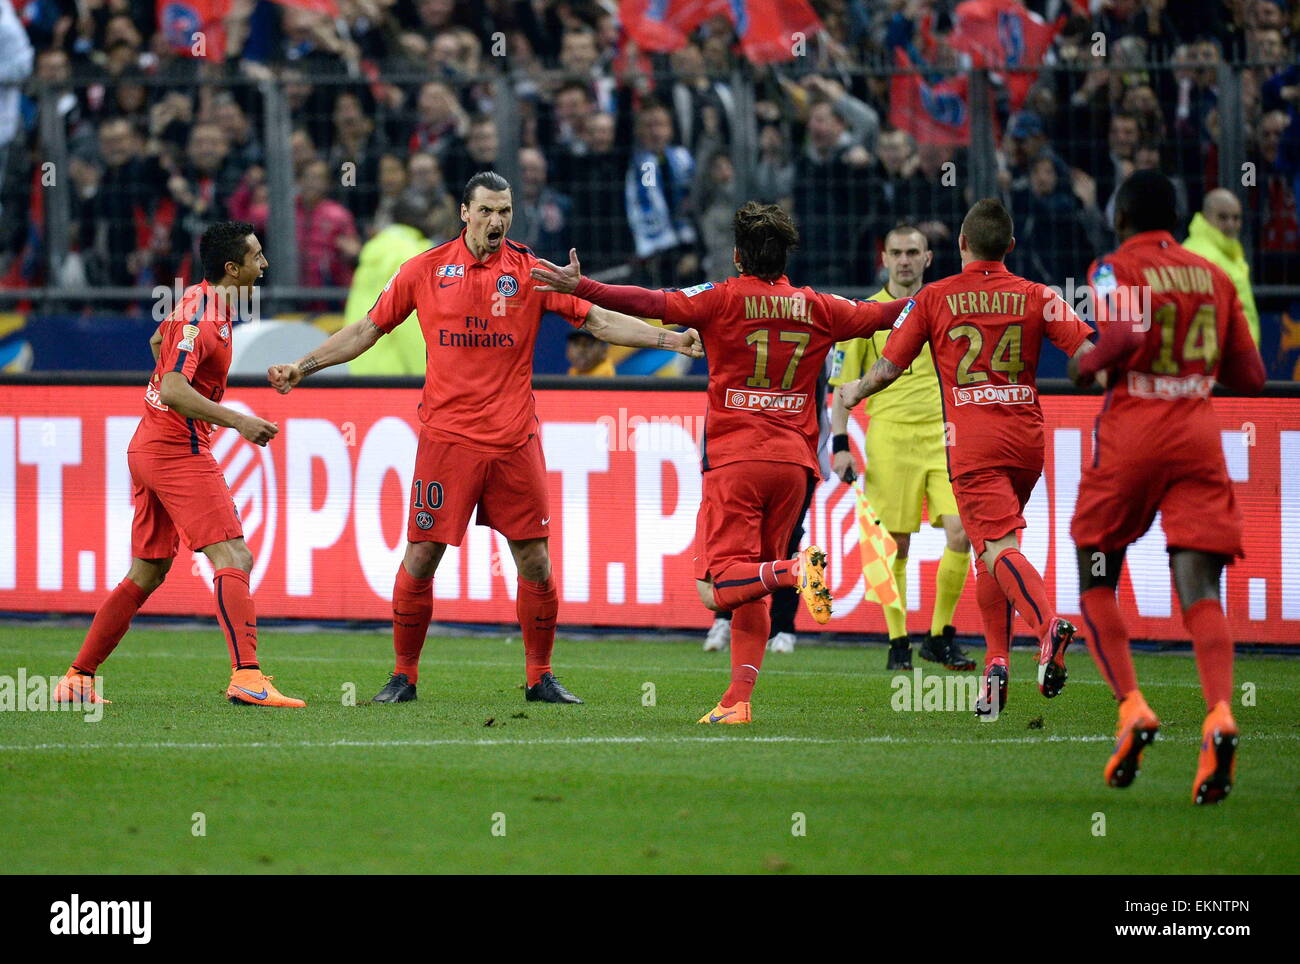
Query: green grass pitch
617	785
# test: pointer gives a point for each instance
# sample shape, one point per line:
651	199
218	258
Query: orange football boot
75	687
736	713
811	573
1217	767
1137	728
248	687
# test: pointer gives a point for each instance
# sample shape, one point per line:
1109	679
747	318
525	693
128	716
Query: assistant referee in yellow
907	462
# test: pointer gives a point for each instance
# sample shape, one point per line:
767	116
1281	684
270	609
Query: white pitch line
609	740
854	674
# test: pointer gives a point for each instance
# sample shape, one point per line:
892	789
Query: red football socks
236	615
111	622
743	582
995	609
1108	639
1024	587
412	611
537	605
1208	627
749	626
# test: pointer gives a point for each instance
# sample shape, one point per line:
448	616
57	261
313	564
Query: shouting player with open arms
766	341
985	327
479	445
177	485
1171	323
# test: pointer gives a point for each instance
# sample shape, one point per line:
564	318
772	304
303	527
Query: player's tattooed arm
882	374
620	329
342	346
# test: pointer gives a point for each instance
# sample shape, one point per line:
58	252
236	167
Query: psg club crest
507	286
179	22
423	521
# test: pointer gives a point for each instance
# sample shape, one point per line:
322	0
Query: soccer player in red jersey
178	487
1171	324
479	445
766	341
985	327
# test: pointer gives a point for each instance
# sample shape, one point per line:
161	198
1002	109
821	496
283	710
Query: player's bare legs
537	605
1196	578
249	686
949	582
110	624
1023	586
740	587
1109	644
412	613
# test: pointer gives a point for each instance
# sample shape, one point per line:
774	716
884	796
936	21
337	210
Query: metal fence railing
108	199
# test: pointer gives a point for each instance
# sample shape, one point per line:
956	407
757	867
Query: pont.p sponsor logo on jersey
994	395
1169	387
751	401
694	290
907	310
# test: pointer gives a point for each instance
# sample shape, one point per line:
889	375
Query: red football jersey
1191	319
766	342
985	327
196	342
480	321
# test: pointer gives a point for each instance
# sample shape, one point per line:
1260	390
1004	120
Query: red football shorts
452	480
1120	493
991	502
748	511
178	491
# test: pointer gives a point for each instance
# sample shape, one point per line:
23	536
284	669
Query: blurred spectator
16	57
596	184
718	204
587	355
1051	243
425	178
200	186
1215	234
831	203
1273	202
328	244
657	193
116	216
354	156
773	181
402	350
392	184
545	210
242	142
477	153
439	119
702	107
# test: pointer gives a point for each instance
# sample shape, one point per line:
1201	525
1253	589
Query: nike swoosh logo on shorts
546	520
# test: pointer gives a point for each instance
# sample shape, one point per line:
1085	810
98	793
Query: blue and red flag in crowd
1004	36
933	113
767	28
194	28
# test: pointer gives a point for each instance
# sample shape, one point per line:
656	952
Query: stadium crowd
396	97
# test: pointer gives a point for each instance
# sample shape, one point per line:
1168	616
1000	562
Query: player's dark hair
906	227
488	180
765	234
223	242
1146	201
987	227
